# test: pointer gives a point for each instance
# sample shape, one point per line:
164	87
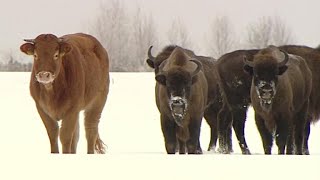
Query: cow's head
47	51
178	82
154	62
265	69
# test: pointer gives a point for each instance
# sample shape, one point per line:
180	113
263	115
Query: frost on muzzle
178	107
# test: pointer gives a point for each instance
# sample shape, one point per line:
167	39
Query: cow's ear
248	69
282	69
150	63
161	78
65	48
27	48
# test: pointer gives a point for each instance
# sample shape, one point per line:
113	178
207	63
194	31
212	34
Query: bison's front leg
266	136
282	133
52	128
193	144
68	129
169	133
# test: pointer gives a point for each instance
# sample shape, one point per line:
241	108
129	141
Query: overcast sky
28	18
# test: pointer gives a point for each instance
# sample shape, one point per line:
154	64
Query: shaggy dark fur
280	97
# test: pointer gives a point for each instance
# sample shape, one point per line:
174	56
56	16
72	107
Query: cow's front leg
52	128
169	134
193	144
67	131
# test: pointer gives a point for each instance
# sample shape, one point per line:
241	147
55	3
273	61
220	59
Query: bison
280	93
69	74
185	92
312	57
236	96
234	87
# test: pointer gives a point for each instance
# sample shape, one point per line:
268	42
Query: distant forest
127	36
15	66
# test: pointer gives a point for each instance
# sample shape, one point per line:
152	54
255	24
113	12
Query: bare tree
179	35
268	30
281	33
220	37
143	36
111	28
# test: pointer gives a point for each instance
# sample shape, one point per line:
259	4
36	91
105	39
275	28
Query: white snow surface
130	127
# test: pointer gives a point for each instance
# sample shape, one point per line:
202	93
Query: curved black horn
29	40
247	62
150	55
199	67
286	59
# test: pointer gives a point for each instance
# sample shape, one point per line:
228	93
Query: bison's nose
45	77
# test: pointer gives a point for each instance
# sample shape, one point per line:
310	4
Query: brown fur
81	83
234	86
289	106
213	97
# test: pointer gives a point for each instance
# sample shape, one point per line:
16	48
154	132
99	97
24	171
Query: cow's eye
56	56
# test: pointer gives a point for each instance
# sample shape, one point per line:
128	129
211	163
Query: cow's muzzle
266	96
45	77
178	106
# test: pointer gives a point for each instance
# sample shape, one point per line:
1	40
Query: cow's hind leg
239	119
306	138
211	117
52	128
75	139
224	129
92	115
300	121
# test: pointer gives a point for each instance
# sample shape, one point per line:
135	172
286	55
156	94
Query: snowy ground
130	127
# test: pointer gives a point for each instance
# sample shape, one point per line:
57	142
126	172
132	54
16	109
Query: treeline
127	33
15	66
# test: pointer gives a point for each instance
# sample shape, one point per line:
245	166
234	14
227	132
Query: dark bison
312	57
186	90
234	86
69	74
280	90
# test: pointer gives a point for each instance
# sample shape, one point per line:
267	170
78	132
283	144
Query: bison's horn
29	40
150	55
247	62
199	67
286	59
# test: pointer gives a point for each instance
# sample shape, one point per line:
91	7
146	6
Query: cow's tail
100	146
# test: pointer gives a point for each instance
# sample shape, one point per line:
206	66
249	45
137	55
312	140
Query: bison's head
47	51
178	82
265	69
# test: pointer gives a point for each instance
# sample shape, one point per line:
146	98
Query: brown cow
280	92
69	74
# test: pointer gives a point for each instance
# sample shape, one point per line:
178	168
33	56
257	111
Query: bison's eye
56	56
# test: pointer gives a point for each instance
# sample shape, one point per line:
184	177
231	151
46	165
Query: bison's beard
178	107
